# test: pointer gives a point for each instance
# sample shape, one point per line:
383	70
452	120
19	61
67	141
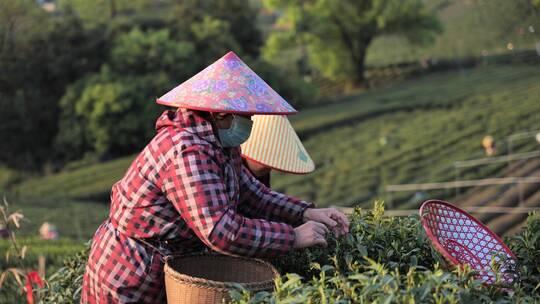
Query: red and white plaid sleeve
194	184
257	200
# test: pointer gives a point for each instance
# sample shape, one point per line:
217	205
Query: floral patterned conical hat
274	143
227	85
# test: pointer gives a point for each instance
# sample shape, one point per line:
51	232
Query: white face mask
237	134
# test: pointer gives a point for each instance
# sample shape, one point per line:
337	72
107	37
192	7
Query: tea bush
65	285
398	242
382	259
390	260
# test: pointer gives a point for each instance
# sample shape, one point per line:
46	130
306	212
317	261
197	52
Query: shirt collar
190	121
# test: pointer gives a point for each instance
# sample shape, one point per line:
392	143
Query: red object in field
32	277
462	239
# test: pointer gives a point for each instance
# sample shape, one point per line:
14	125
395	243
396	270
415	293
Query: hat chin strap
215	128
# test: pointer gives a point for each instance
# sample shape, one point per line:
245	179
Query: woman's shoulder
169	143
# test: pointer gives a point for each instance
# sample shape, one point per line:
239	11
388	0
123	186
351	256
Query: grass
436	90
94	181
76	220
9	177
54	252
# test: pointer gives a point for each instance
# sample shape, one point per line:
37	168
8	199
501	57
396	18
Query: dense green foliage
389	260
526	245
85	78
39	57
398	242
109	112
471	28
335	35
65	285
383	259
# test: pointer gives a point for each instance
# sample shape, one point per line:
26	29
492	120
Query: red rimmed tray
462	239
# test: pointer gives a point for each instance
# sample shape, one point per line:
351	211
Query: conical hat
227	85
273	143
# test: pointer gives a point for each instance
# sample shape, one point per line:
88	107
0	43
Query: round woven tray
462	239
207	278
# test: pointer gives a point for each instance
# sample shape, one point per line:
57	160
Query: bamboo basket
207	278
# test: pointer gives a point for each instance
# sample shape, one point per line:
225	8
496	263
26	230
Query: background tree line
83	80
80	82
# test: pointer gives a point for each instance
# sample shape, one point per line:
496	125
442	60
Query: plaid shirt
185	189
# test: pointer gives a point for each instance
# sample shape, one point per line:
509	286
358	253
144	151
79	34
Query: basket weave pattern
207	278
462	239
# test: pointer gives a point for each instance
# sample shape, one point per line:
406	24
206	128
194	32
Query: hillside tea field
410	132
383	260
415	135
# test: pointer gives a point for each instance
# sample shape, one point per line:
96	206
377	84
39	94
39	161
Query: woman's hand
331	217
309	234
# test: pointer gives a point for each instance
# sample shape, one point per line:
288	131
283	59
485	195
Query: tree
140	53
111	113
238	16
108	115
336	34
98	11
213	39
40	55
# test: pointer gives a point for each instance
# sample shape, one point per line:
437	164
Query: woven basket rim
434	240
218	285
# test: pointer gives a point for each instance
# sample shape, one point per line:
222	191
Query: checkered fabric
462	239
183	189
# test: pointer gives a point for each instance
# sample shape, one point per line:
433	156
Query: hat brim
278	169
179	105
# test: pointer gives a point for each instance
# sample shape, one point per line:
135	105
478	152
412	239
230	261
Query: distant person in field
47	231
188	190
274	145
489	145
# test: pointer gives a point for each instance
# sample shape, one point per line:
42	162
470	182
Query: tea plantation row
419	144
382	260
390	260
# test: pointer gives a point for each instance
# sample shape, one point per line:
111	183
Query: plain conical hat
227	85
274	143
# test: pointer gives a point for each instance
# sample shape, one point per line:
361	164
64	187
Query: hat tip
230	55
